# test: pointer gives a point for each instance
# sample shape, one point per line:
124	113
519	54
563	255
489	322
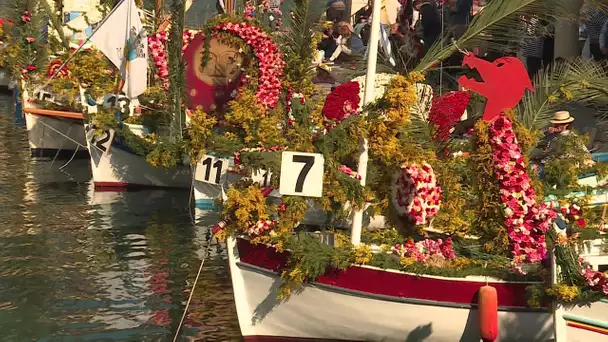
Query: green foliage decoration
25	54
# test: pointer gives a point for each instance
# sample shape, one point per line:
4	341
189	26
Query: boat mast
176	77
368	97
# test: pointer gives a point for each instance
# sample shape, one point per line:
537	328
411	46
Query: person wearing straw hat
561	122
554	140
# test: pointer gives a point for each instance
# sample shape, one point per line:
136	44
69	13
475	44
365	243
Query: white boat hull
329	310
50	136
119	168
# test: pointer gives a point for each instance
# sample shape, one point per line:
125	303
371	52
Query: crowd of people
419	24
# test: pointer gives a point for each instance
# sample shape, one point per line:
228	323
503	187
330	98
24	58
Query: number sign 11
211	169
302	174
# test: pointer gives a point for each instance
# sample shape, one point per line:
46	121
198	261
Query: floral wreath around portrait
266	51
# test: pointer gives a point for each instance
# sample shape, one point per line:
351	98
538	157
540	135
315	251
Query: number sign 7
302	174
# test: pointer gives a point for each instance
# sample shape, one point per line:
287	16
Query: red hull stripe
588	327
391	284
259	338
122	186
111	184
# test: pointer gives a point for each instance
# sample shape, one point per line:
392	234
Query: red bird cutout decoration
504	83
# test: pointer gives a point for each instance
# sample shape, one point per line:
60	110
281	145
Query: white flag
122	38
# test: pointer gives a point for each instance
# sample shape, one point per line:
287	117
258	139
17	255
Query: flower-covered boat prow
449	210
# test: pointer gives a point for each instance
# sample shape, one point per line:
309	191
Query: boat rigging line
200	269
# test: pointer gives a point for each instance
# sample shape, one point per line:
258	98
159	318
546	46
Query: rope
69	161
62	134
200	269
59	150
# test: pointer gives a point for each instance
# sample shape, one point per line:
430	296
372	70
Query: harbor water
80	265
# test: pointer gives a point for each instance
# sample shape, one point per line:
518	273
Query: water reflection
80	265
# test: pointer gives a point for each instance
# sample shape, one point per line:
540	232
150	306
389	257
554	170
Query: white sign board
302	174
211	169
45	96
262	177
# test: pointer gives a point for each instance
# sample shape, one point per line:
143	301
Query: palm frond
499	25
421	129
297	43
301	28
565	81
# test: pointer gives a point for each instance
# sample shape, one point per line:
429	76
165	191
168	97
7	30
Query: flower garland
526	221
415	193
381	82
341	103
237	159
268	55
573	213
32	51
158	51
426	250
446	111
597	281
260	227
349	172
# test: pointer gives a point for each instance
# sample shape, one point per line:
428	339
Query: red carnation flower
342	102
446	111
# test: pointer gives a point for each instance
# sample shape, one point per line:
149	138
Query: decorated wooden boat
369	304
114	165
338	306
52	133
54	126
510	262
125	152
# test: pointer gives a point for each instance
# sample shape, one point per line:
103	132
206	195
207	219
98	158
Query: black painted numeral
112	101
218	168
105	136
266	179
308	161
207	163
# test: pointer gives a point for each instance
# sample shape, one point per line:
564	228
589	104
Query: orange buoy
488	313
